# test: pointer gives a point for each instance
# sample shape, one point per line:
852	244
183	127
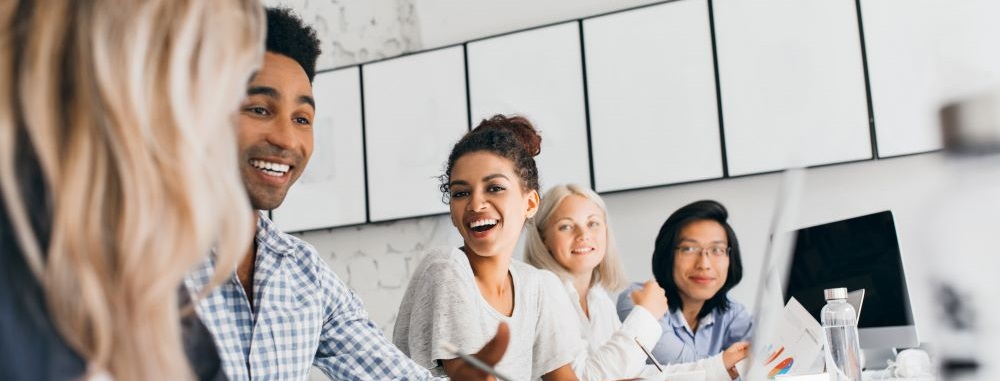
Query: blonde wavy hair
128	109
610	273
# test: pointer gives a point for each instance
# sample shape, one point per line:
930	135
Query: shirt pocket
295	325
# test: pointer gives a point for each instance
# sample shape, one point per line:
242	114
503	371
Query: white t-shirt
610	349
443	304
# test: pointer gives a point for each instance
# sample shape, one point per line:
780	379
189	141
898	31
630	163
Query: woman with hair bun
459	296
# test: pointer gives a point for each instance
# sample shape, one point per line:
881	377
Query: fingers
493	351
656	287
741	346
649	286
639	295
651	297
653	287
738	351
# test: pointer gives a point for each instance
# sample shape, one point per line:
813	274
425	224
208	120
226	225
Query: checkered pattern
303	315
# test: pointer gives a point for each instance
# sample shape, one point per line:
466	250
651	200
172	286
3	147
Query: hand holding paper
797	347
734	354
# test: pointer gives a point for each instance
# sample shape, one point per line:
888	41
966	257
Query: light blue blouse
716	331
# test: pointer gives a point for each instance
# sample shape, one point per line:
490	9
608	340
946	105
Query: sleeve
557	335
671	349
352	347
715	369
625	303
741	327
620	357
668	348
439	306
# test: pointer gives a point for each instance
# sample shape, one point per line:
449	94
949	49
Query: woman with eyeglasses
571	236
697	261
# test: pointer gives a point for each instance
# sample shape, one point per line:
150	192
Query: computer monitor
860	252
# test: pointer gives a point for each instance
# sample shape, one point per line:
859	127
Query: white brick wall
353	31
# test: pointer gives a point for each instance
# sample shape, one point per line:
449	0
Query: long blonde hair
610	273
128	108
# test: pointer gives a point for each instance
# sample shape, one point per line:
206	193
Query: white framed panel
537	74
415	111
792	83
921	58
331	190
653	106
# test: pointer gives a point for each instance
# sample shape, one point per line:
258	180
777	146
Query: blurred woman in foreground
117	175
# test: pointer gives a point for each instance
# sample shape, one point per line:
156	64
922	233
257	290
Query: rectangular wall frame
921	58
653	107
331	191
537	74
793	85
415	111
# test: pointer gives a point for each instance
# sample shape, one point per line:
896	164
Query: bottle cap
835	293
971	126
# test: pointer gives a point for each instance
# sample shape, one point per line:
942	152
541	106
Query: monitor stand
877	358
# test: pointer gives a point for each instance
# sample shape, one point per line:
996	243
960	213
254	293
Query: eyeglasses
714	252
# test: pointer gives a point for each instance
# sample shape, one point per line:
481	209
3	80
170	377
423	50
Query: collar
677	320
571	289
271	239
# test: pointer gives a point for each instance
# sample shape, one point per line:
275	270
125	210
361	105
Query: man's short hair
289	36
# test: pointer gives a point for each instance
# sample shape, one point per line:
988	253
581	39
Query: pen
474	361
649	355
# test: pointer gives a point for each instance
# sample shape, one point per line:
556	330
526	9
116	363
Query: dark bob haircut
512	138
669	237
289	36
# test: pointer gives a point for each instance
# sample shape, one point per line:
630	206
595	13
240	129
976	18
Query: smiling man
283	310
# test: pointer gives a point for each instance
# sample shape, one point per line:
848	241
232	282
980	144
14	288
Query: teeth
583	250
478	223
269	166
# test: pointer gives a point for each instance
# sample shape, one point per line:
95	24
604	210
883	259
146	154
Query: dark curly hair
512	138
289	36
665	250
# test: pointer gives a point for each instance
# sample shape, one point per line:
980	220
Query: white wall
353	31
830	193
445	22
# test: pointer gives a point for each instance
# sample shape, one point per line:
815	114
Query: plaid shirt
303	315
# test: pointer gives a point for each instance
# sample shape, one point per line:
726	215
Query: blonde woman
571	237
117	175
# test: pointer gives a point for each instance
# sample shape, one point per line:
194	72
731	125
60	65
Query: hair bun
526	134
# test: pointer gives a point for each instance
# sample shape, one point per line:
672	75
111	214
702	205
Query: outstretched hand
491	353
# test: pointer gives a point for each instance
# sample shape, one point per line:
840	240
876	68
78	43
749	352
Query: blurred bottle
960	244
840	324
